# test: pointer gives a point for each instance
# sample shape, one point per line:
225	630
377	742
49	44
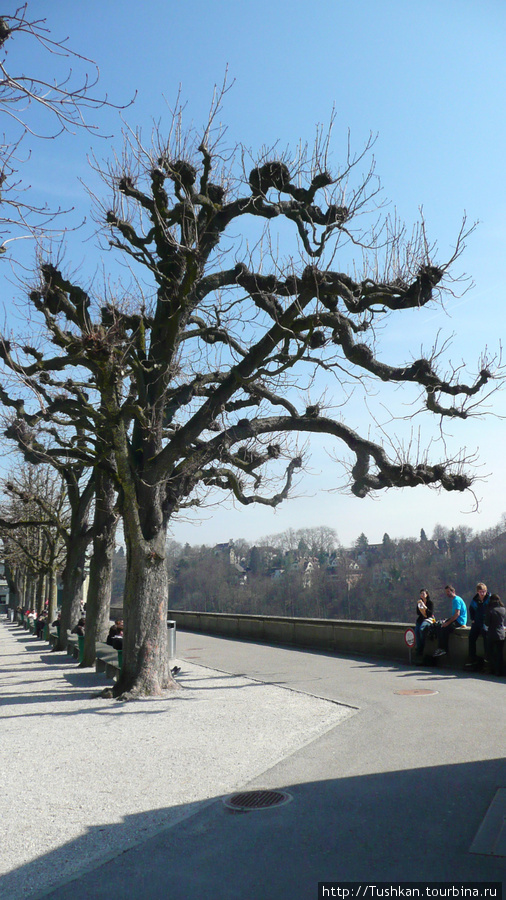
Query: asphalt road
409	785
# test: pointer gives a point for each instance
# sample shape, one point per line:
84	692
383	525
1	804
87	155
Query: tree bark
77	543
72	589
32	592
146	664
53	594
99	591
41	592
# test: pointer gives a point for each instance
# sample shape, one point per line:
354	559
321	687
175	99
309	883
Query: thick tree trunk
146	665
99	591
32	592
41	593
77	543
20	579
72	590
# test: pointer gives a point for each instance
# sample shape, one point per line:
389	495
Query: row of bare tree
205	373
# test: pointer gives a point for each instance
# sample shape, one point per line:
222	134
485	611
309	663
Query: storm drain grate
416	693
257	800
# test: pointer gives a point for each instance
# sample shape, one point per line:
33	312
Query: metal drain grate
257	800
416	693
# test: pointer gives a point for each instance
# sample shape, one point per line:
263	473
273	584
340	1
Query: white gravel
84	778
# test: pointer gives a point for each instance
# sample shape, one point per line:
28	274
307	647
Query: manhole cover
257	800
417	693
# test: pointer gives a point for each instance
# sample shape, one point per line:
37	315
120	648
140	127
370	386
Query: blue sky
427	78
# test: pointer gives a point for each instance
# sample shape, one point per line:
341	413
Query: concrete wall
383	639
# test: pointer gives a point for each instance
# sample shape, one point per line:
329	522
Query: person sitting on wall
478	613
456	620
425	617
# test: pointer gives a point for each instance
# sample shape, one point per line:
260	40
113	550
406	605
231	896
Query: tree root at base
137	693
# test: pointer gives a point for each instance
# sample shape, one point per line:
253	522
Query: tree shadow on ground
416	825
87	684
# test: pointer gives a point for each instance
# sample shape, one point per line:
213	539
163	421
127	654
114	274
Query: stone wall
376	639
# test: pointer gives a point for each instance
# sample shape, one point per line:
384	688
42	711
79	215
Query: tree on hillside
387	545
362	543
198	371
318	541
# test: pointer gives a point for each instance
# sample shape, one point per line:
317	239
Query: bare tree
34	517
38	105
59	446
87	485
317	541
98	602
203	383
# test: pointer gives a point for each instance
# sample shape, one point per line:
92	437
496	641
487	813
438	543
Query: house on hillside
307	569
227	552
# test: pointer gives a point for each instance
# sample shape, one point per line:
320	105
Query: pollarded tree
55	436
34	518
199	379
46	439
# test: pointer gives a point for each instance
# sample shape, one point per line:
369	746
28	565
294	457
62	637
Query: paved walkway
126	800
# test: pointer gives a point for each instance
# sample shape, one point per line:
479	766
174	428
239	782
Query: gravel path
107	775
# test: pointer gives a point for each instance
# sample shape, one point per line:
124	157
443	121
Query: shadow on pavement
414	825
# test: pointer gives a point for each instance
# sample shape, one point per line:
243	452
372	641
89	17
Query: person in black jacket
496	634
478	609
79	628
115	631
